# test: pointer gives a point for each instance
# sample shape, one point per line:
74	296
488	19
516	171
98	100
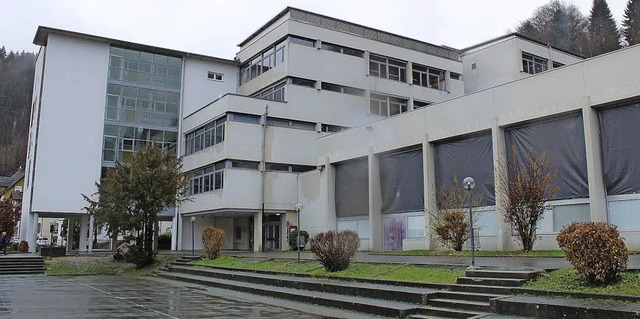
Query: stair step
508	274
445	312
480	306
505	282
497	290
359	304
471	296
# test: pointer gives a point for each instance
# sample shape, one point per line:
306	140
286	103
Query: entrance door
394	233
271	232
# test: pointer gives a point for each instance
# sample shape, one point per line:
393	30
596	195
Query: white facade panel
198	89
70	128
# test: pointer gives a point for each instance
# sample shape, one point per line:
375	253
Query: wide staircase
15	264
471	297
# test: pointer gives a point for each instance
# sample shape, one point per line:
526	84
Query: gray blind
471	156
352	188
402	182
563	141
620	135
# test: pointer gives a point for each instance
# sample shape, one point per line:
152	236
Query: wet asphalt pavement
53	297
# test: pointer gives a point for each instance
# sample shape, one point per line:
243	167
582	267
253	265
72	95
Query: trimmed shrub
15	247
23	246
335	250
164	241
293	238
213	239
595	249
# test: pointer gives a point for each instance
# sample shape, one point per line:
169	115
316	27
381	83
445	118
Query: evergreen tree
631	22
603	32
3	53
559	24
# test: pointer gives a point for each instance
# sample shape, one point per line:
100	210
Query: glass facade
142	103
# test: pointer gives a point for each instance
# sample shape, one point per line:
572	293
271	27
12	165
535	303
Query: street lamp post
193	242
298	208
469	183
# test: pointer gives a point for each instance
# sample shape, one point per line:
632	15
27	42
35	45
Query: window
244	118
302	82
263	62
280	167
205	136
120	142
557	64
309	126
215	76
145	68
274	93
533	64
429	77
419	104
416	226
342	89
245	164
388	68
340	49
332	128
455	76
302	41
384	105
206	179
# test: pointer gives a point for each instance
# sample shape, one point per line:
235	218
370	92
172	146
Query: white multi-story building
359	125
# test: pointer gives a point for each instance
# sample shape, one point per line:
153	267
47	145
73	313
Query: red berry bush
595	249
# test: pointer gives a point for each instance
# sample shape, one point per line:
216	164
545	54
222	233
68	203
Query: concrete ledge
563	308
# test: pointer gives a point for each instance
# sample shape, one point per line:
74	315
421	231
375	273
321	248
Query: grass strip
568	280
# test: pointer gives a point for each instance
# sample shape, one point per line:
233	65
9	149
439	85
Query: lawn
479	253
402	272
567	280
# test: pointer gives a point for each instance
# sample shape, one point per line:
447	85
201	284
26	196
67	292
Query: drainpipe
263	170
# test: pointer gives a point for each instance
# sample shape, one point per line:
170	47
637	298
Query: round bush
595	249
335	250
213	239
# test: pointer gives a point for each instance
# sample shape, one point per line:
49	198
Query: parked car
42	241
15	240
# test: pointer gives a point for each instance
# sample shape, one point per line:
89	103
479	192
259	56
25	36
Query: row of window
141	105
206	179
274	92
205	136
213	132
271	167
121	142
342	89
263	62
145	68
394	69
534	64
385	105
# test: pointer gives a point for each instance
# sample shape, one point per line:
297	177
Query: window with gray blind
402	182
352	188
620	134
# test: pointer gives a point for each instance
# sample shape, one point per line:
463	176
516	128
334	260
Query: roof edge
519	35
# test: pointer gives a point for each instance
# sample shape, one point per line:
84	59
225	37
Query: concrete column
375	203
32	232
499	167
429	168
91	230
595	177
257	231
329	180
409	73
84	225
175	240
70	226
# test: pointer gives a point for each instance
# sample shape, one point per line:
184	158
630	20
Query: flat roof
519	35
42	35
360	31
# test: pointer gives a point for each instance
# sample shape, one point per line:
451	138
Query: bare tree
526	185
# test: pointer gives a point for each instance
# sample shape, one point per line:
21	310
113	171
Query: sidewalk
515	263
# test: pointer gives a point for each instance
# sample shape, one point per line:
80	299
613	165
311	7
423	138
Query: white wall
71	124
198	90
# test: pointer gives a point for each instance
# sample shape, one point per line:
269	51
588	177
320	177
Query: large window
342	89
429	77
142	105
205	136
120	142
533	64
385	105
352	188
274	93
145	68
402	182
387	68
262	62
208	178
341	49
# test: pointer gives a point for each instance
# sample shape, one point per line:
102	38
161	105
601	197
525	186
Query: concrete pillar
595	177
409	73
429	168
84	230
175	239
155	235
499	168
70	226
375	203
257	231
329	180
91	230
32	232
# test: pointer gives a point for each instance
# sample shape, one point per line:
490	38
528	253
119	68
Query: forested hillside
16	85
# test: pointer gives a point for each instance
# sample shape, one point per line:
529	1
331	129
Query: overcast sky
215	27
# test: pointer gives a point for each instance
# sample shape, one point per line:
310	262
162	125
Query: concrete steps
499	278
21	265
